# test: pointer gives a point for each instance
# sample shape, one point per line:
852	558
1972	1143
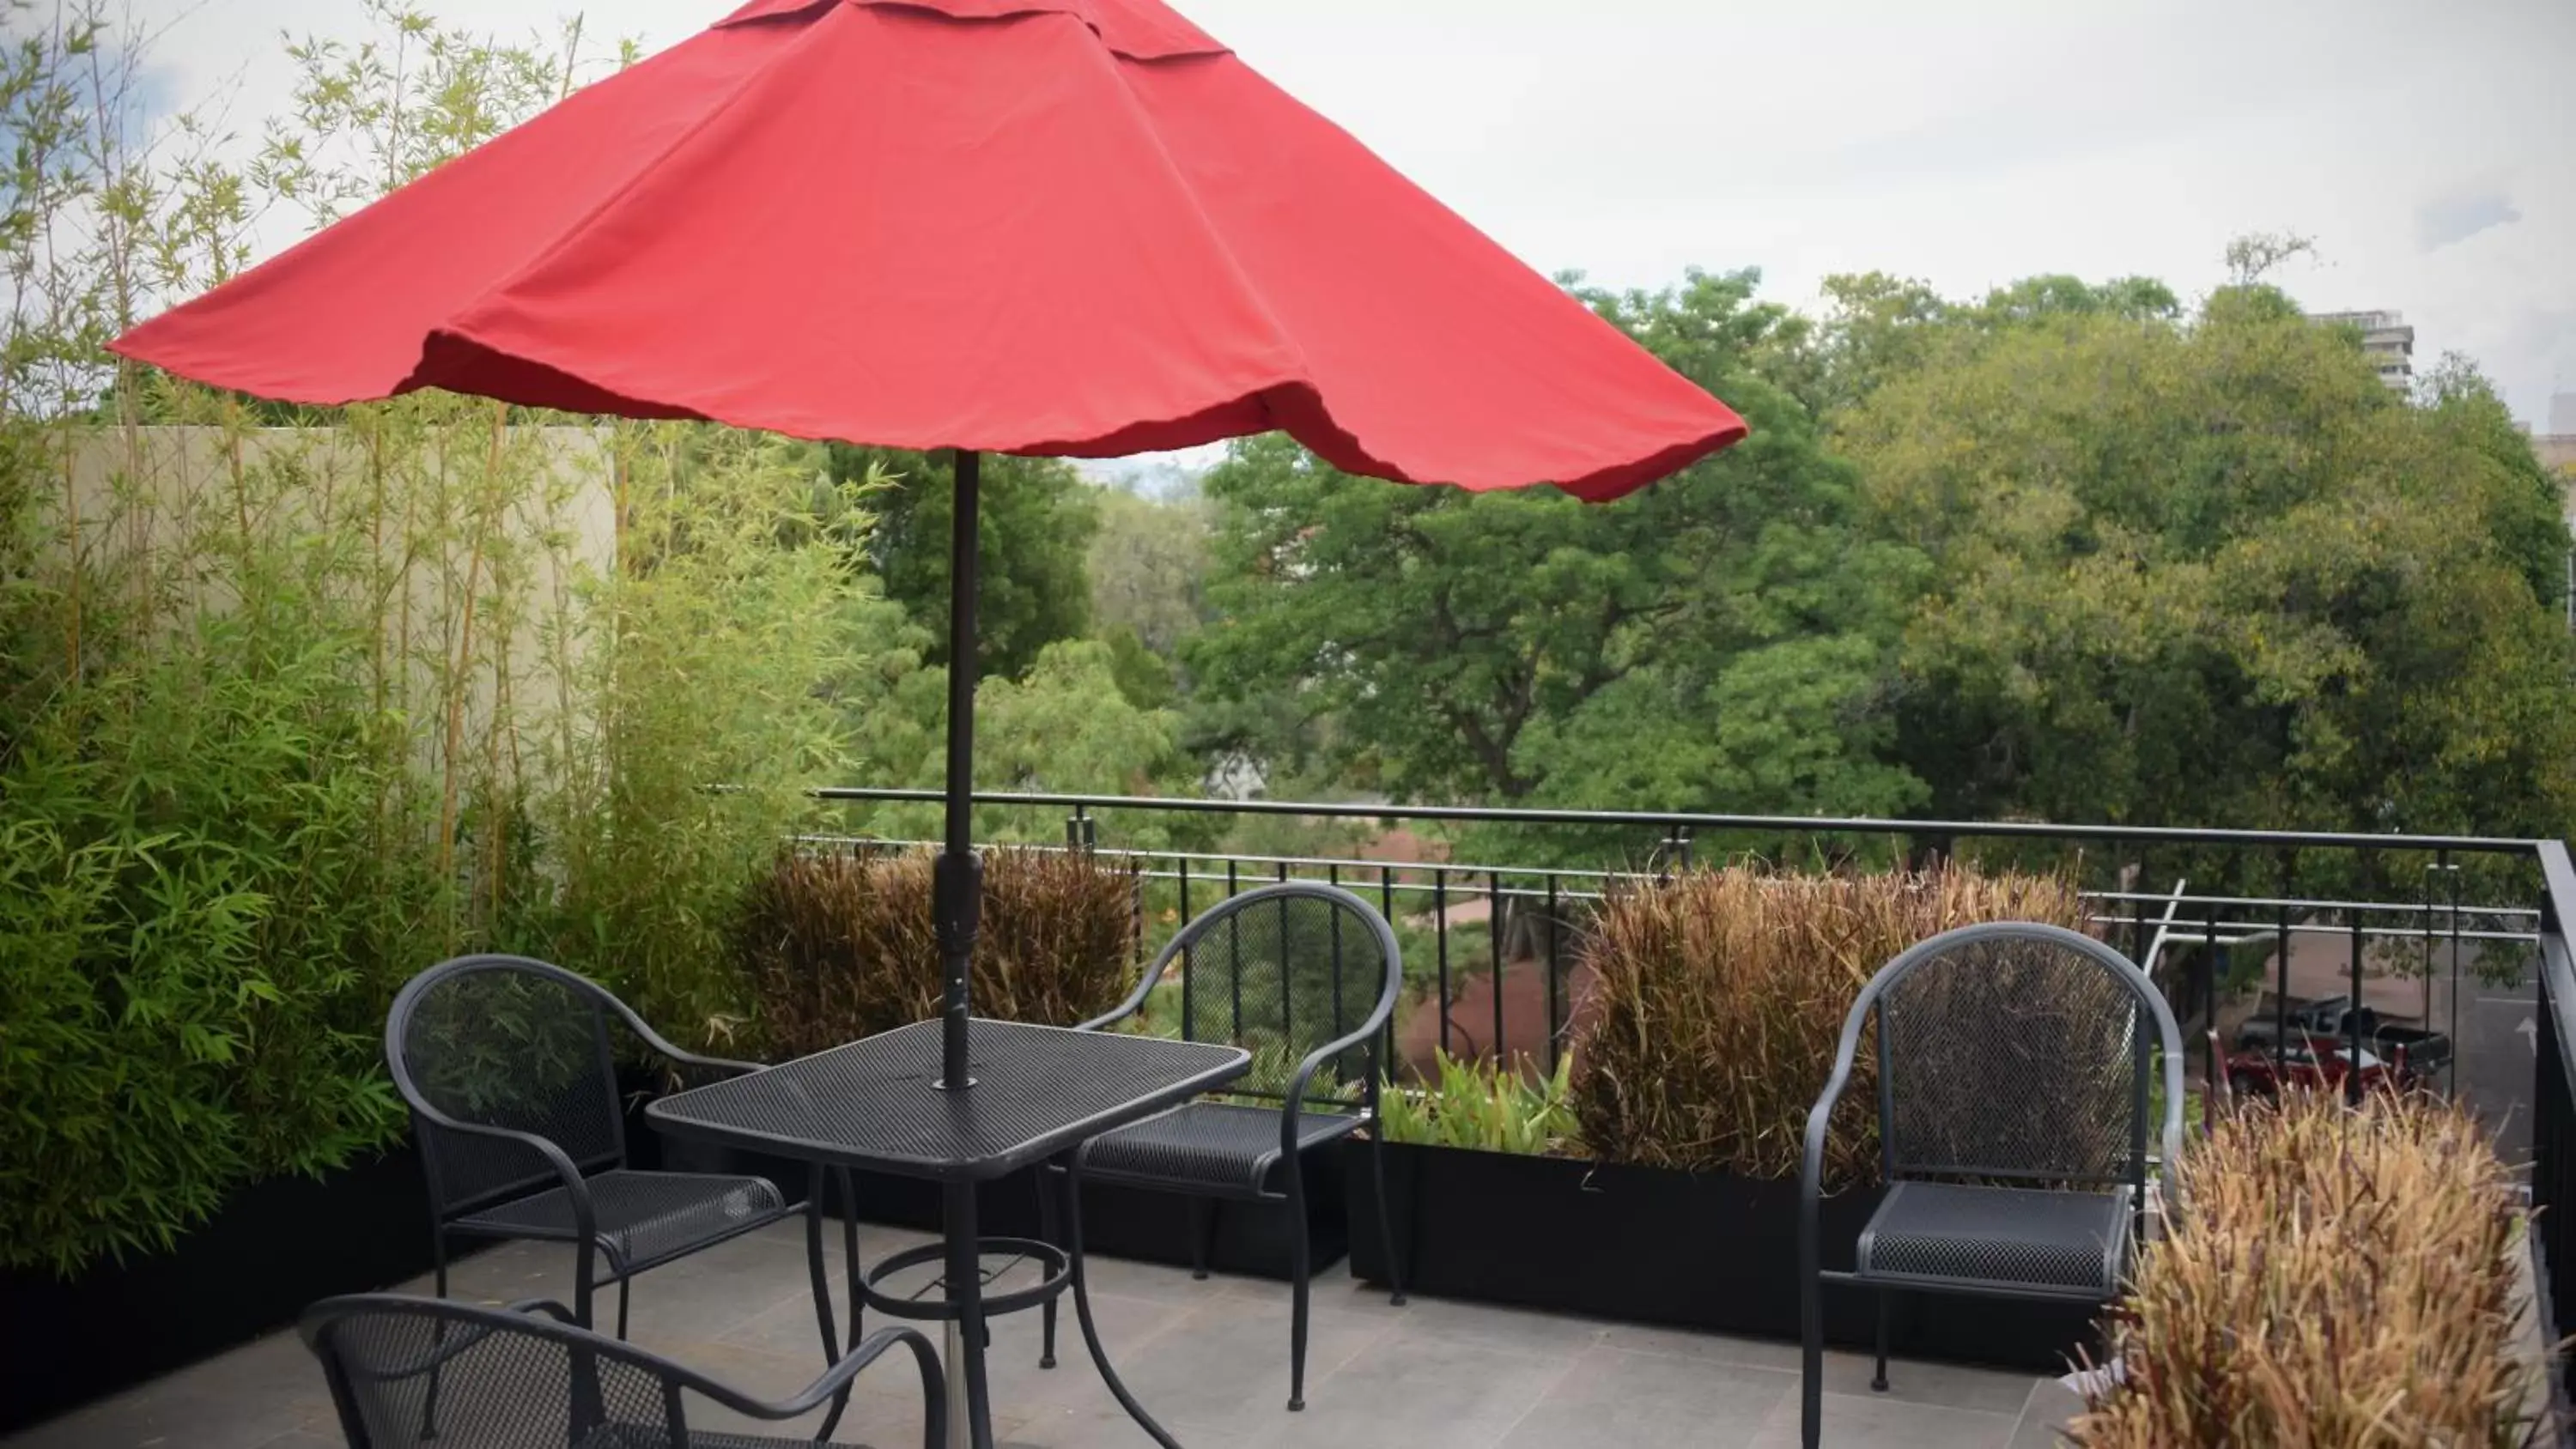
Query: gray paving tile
2050	1407
1221	1367
1717	1348
244	1399
1484	1325
1421	1392
1953	1386
1615	1397
1880	1421
1940	1385
1208	1357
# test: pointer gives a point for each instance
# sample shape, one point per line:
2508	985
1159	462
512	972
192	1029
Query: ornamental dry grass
1720	995
841	946
2338	1278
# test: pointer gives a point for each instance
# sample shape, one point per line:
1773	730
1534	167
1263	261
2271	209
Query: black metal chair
417	1371
506	1066
1306	976
2014	1069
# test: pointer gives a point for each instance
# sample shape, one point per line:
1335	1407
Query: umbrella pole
957	882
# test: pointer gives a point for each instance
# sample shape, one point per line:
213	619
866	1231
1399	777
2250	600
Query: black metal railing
2553	1115
2480	923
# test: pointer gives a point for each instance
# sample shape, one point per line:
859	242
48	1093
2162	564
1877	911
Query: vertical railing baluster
1386	908
2352	1064
1234	947
2208	1013
1188	1023
2138	937
1494	948
2451	871
1287	976
1440	929
2281	983
1547	975
1333	877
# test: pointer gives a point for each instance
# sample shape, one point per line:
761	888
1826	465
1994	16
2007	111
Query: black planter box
1250	1239
270	1250
1650	1245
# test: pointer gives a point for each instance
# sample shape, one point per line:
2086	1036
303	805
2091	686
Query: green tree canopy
1526	648
1034	529
2213	572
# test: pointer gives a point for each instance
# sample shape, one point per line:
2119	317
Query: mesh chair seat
2017	1240
642	1217
1215	1147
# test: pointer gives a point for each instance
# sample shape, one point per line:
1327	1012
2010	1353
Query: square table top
875	1103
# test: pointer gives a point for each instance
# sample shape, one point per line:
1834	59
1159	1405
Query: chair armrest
934	1385
575	1188
666	1049
585	1219
1135	1001
1305	1078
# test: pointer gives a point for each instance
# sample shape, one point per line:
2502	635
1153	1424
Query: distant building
2385	339
2556	450
2557	446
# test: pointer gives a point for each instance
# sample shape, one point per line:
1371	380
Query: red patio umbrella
1071	227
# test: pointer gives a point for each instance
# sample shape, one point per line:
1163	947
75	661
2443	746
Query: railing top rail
1819	824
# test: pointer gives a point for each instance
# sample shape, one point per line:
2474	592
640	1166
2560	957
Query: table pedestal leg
823	1286
972	1429
960	1413
1082	1311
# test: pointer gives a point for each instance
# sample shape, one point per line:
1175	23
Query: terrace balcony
2475	949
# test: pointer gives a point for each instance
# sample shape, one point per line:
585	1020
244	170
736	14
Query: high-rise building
2385	339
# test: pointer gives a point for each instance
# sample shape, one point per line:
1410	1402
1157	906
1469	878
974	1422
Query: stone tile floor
1209	1358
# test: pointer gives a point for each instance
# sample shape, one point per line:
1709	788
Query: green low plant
1719	996
1486	1107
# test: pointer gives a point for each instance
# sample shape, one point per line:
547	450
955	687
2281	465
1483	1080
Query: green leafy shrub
841	946
2342	1278
1720	996
294	703
1488	1108
199	923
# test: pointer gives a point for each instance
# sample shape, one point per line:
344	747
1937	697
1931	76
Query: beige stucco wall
485	542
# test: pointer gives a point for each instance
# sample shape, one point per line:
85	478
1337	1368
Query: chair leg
1811	1371
1385	1220
1202	1231
1297	1274
438	1261
1886	1306
1049	1233
622	1281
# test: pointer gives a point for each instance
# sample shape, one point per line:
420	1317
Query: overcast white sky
2426	146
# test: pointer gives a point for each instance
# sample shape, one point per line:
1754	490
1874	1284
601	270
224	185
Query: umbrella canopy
1071	227
1035	226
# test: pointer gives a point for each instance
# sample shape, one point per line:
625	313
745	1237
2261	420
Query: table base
970	1414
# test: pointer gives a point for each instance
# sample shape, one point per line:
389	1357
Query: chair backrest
418	1371
1284	971
503	1041
2018	1051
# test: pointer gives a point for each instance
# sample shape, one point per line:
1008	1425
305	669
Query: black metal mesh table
1039	1091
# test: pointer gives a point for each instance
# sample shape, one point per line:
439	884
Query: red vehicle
2315	1063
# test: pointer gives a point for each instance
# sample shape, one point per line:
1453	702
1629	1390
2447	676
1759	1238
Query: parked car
2316	1063
2424	1051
